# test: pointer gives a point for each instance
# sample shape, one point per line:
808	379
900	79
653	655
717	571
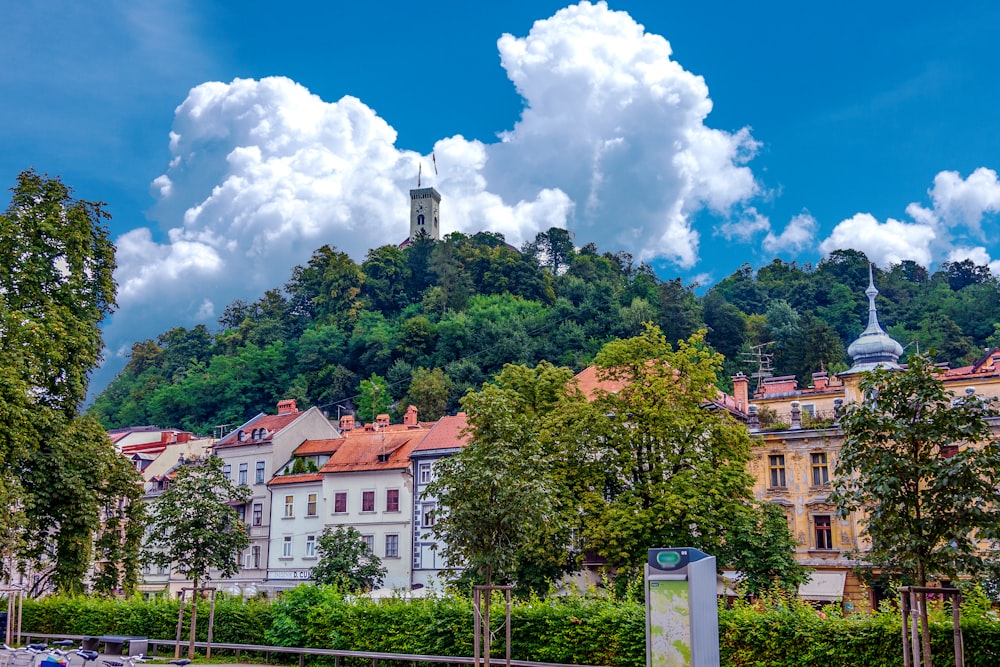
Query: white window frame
340	494
392	539
312	504
425	473
310	546
259	473
289	507
365	495
286	547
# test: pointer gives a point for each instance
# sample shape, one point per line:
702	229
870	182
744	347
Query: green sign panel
669	624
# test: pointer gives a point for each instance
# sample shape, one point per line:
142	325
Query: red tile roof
362	449
590	384
314	447
447	433
299	478
271	423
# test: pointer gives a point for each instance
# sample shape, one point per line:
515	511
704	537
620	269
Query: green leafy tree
921	466
429	391
193	527
56	286
495	496
345	561
759	544
656	467
373	398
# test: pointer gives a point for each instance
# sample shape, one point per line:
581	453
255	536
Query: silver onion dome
874	348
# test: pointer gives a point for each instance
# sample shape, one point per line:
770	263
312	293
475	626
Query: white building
251	455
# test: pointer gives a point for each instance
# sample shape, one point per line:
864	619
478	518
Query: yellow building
798	442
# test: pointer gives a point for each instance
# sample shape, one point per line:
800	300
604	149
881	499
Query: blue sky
698	136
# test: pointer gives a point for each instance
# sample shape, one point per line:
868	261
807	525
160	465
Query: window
227	470
340	502
310	546
369	541
392	546
286	547
243	474
367	501
809	409
428	516
241	512
289	506
425	473
258	513
392	500
259	475
255	557
311	505
820	470
824	531
776	462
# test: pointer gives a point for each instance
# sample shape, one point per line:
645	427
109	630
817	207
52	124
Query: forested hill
436	318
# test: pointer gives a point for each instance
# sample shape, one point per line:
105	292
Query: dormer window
241	436
255	434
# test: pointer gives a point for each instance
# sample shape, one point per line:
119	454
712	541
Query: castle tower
425	211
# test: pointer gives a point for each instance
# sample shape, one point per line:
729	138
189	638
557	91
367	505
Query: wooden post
180	626
194	623
904	612
956	622
211	623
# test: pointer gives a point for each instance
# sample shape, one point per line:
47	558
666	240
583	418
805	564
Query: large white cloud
612	144
939	232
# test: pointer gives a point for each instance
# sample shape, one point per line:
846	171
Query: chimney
183	437
166	437
821	380
286	406
346	423
741	391
410	418
382	420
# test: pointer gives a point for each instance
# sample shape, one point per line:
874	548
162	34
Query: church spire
874	348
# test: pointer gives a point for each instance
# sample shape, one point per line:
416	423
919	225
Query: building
251	455
446	438
798	441
425	215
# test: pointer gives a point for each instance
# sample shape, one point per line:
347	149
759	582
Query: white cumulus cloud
612	143
939	232
798	235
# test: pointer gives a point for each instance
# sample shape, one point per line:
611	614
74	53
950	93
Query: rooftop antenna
763	360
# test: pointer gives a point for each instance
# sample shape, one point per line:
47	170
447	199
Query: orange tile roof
361	450
447	433
299	478
590	384
273	424
322	446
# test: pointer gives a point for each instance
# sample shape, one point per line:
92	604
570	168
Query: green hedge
570	630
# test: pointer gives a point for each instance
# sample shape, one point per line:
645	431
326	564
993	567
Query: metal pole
476	624
507	623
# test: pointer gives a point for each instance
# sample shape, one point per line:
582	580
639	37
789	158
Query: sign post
682	613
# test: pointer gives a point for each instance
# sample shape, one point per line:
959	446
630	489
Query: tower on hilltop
425	211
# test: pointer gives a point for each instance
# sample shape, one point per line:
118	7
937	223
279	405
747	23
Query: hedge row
571	630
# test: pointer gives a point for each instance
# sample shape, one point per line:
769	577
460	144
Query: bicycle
63	655
133	660
25	656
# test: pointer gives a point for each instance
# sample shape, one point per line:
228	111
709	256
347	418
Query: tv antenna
764	361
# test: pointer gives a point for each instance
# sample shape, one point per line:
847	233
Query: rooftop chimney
741	391
821	380
286	406
410	418
346	423
382	420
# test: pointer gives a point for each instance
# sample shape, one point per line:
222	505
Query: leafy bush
776	632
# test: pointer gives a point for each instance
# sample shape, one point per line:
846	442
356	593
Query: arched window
420	219
241	435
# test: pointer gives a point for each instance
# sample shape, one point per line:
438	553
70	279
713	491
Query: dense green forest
435	318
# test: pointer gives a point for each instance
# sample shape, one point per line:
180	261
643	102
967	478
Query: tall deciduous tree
56	286
660	467
921	465
193	527
346	561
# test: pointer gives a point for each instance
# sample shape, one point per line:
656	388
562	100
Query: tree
921	465
56	286
495	496
429	391
345	561
553	248
373	398
652	465
760	545
193	527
